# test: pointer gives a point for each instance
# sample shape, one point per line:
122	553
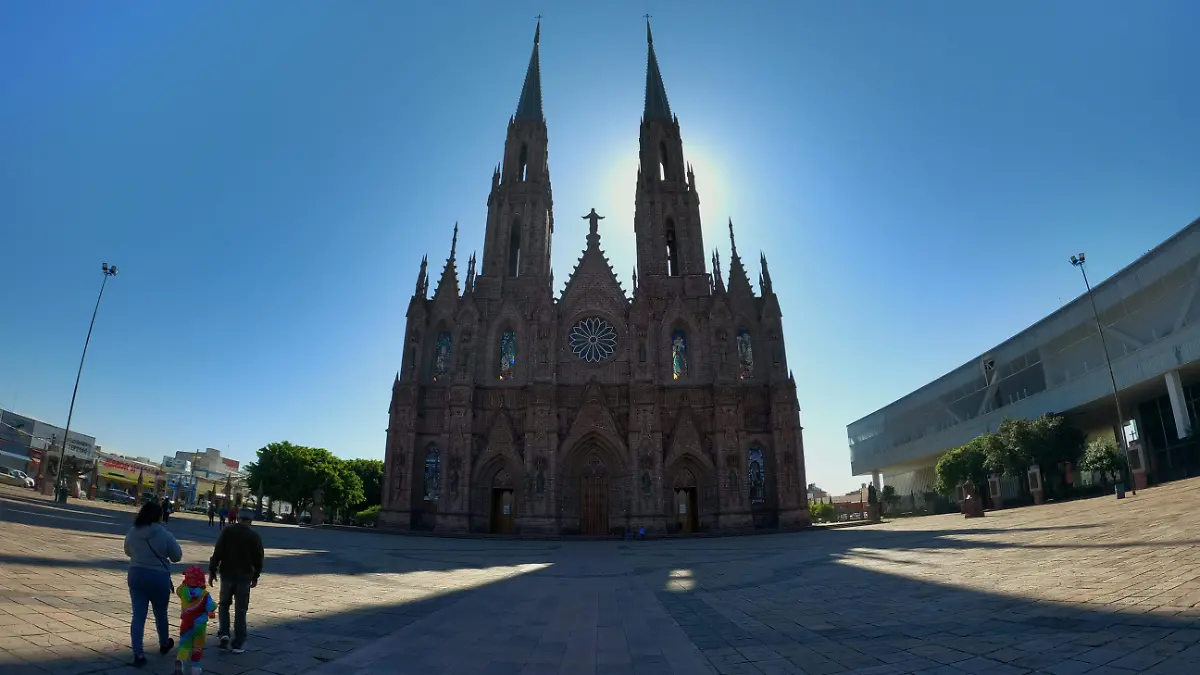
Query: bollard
1119	489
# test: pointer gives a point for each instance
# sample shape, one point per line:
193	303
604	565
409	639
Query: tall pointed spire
739	281
529	108
422	277
449	281
765	284
657	107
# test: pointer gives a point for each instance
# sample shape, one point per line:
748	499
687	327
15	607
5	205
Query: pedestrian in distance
237	560
212	513
151	549
166	509
224	514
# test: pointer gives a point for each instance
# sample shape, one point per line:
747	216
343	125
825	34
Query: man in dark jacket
238	560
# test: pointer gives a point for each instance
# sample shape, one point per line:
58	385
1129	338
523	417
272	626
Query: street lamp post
1080	261
109	271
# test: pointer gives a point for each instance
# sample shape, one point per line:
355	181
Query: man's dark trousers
235	591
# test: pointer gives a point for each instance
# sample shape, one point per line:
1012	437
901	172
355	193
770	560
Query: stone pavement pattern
1098	586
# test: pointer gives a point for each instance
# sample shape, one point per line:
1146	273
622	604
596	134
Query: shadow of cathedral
594	413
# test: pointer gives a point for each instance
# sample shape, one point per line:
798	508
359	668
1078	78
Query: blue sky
268	174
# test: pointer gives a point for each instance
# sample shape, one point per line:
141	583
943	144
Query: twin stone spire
529	109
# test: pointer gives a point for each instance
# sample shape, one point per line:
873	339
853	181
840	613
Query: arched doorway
686	502
503	504
593	498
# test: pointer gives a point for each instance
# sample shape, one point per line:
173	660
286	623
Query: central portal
593	499
502	507
685	509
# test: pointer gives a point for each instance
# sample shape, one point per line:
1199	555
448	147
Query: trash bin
60	495
1120	490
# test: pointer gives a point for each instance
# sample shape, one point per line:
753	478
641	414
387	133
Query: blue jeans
153	587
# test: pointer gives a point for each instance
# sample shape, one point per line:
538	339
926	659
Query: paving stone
1017	591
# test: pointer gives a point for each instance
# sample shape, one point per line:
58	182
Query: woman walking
151	549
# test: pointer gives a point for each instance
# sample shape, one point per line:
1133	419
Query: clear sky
268	174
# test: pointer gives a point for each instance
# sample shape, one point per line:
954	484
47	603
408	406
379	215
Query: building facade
1151	320
593	411
23	441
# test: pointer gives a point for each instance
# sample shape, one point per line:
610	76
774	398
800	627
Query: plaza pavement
1099	586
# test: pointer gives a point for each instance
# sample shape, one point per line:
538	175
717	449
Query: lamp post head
109	270
1078	260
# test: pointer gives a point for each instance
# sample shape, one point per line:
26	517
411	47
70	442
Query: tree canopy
294	473
967	461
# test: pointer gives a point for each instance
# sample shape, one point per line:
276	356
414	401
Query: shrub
1102	455
821	512
368	516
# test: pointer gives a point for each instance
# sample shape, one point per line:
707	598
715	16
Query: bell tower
520	221
670	244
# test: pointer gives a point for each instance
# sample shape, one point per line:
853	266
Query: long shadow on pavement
858	600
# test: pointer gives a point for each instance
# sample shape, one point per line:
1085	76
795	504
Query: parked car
17	473
119	497
10	479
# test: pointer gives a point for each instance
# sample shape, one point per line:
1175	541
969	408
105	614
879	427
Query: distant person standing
151	549
166	509
224	515
212	513
238	560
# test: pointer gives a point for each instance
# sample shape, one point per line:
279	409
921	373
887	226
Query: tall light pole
109	271
1080	261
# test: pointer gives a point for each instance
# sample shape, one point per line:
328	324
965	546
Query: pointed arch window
433	473
756	475
672	249
745	350
508	354
679	355
664	165
441	356
523	163
514	249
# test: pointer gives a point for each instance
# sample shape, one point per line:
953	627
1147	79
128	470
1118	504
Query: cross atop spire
657	107
529	108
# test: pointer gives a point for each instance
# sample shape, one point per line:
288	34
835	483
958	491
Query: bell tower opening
672	249
514	250
664	166
523	163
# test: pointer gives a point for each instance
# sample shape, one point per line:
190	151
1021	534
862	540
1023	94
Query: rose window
593	340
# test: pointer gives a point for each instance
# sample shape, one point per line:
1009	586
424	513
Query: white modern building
1151	320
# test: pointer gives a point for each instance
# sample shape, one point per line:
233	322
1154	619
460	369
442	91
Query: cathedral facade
669	407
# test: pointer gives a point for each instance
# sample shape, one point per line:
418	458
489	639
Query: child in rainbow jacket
197	608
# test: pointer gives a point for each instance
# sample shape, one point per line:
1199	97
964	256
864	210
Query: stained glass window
441	356
756	475
745	355
647	484
679	355
508	354
433	473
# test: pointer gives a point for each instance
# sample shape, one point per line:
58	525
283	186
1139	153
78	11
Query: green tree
1103	455
959	464
821	512
370	472
889	496
1000	455
275	471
